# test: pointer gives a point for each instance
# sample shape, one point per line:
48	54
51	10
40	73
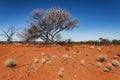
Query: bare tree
9	33
46	24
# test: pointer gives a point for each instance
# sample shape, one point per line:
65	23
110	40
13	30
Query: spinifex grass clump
60	72
109	66
115	63
36	60
99	49
10	63
102	58
99	65
82	62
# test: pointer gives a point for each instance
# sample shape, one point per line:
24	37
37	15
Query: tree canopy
46	24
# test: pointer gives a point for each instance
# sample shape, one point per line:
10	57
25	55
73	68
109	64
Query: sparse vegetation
102	58
99	64
115	63
42	54
60	72
49	62
82	62
36	60
43	61
106	70
109	66
62	69
10	63
99	49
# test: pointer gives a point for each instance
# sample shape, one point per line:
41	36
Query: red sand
26	69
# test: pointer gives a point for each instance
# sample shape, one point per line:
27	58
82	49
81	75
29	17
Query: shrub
99	49
36	60
42	54
43	61
65	56
109	66
62	69
60	72
82	62
106	70
10	63
115	63
102	58
99	65
49	62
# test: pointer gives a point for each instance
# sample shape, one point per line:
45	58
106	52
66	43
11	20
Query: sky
97	18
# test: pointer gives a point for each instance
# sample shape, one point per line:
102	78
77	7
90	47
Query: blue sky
97	18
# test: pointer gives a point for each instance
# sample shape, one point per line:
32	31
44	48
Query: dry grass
99	49
36	60
60	72
115	63
99	64
49	63
106	70
102	58
62	69
10	63
82	62
43	61
109	66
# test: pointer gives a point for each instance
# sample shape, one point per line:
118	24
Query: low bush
115	63
102	58
10	63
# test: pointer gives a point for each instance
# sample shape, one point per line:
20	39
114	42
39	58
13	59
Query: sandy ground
27	69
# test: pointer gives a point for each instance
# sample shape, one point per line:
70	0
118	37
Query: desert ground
78	62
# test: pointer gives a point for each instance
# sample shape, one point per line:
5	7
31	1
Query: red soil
27	69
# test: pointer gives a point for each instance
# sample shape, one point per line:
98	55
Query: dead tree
46	24
9	33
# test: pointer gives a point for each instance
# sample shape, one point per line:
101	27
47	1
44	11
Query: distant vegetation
46	25
69	42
